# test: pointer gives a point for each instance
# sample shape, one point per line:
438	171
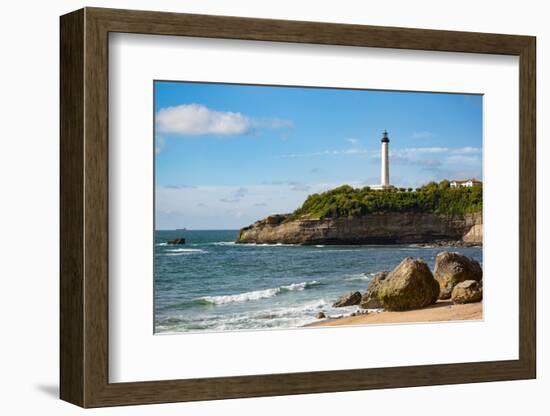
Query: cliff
376	228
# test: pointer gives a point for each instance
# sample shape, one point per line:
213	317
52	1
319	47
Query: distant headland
436	213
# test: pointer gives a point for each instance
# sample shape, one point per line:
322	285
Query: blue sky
227	155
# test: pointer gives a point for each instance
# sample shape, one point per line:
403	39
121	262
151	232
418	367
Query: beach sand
443	310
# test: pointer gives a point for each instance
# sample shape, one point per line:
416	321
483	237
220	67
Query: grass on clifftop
437	198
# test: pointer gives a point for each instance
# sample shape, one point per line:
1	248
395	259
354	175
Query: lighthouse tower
384	165
385	162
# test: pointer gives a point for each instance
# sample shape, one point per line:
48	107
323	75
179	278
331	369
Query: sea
213	284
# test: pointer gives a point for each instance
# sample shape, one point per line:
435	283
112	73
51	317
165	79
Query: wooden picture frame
84	207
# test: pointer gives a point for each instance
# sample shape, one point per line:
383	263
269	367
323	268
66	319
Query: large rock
468	291
474	235
452	268
410	285
180	240
350	299
370	300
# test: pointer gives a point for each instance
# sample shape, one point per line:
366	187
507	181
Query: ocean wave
333	250
185	251
267	245
282	317
223	243
273	318
258	294
303	310
359	277
161	244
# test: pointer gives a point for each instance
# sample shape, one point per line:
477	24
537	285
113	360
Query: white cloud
412	151
463	159
199	207
406	152
199	120
196	119
418	150
401	153
468	149
235	195
182	186
420	162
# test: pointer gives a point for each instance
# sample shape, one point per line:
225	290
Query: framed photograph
254	207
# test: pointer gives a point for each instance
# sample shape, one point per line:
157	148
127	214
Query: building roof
467	180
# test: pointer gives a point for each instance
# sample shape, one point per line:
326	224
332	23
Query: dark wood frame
84	207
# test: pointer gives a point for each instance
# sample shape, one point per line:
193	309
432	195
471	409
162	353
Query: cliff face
387	228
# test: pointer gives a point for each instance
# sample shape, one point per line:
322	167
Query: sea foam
258	294
359	277
185	251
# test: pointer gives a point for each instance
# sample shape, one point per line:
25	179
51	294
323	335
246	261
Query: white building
384	165
468	183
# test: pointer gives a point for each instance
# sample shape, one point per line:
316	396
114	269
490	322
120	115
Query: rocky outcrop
369	299
350	299
178	241
468	291
452	268
410	285
383	228
474	236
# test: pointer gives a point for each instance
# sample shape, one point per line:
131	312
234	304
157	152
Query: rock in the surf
179	241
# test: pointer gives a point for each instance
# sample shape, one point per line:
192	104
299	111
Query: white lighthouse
384	164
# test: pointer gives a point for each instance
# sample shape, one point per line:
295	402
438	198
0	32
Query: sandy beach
443	310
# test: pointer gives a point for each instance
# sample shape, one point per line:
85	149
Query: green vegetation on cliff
437	198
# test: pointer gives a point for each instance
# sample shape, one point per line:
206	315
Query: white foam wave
258	294
359	277
266	245
335	250
273	318
185	251
224	243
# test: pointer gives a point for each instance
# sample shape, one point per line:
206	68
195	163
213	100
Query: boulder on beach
411	285
320	315
452	268
468	291
369	299
180	240
350	299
